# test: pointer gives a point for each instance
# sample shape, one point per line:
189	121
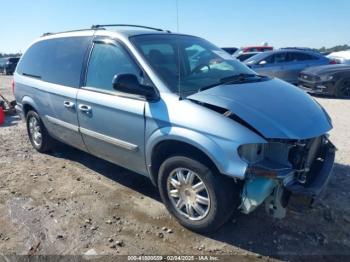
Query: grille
307	77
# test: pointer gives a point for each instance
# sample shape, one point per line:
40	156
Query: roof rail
69	31
126	25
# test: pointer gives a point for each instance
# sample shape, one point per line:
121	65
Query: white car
342	57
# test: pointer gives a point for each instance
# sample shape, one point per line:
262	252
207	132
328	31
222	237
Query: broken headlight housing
251	153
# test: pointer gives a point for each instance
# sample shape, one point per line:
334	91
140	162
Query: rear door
52	69
112	124
298	61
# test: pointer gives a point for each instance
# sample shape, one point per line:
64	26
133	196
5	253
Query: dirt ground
71	203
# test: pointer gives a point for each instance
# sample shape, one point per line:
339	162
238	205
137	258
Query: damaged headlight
251	153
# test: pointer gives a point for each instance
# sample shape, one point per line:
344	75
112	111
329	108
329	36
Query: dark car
244	56
331	80
8	65
230	50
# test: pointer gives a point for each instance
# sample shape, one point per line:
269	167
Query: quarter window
57	61
106	61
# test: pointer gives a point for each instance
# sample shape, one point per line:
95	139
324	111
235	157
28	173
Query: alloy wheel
345	89
188	194
35	131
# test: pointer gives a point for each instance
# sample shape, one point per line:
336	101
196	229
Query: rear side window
57	61
301	57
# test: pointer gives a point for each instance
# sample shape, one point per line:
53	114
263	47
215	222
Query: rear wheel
197	197
38	135
342	89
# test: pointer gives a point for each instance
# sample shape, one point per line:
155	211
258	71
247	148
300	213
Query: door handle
68	104
85	108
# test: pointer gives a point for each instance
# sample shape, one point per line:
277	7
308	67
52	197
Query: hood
274	108
327	69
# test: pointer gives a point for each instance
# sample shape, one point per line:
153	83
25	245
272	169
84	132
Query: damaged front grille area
279	169
282	157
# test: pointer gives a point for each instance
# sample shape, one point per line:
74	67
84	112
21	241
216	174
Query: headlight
325	78
251	153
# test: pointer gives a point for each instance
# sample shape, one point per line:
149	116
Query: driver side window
106	61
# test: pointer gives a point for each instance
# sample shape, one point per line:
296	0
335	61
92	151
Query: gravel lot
70	203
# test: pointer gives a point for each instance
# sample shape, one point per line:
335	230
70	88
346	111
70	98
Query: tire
342	88
34	125
221	191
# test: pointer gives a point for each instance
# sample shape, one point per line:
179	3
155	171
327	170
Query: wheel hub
188	194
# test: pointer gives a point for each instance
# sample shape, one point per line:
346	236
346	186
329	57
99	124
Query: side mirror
263	62
128	83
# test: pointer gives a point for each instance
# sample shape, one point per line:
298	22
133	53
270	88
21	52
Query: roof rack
69	31
94	27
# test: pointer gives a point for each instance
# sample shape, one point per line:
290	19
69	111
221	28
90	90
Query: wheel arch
28	104
177	141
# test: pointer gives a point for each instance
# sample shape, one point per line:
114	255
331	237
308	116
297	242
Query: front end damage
281	171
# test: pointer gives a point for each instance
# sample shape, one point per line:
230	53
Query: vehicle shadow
125	177
298	237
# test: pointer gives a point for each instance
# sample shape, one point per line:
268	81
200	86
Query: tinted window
106	61
13	60
57	61
244	56
295	56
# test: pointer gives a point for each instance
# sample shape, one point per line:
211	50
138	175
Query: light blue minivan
210	133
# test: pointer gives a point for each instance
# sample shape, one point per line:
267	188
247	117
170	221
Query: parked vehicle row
329	80
210	133
8	65
286	64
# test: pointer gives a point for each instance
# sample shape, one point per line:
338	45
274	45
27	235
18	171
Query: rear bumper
19	110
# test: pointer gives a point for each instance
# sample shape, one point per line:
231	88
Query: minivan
210	133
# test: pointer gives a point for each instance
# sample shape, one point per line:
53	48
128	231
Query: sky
236	23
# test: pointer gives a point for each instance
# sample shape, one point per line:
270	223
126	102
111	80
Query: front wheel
342	89
197	197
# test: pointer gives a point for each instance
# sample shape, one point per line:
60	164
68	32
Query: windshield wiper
232	79
238	78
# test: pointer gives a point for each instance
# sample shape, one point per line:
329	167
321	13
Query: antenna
177	15
178	51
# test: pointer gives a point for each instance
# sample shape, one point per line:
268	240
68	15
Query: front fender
221	151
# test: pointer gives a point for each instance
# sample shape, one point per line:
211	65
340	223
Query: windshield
188	64
255	59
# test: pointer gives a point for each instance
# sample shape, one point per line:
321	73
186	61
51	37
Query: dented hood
274	108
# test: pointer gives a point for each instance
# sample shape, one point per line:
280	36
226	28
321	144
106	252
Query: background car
331	80
244	56
286	64
8	65
230	50
249	49
342	57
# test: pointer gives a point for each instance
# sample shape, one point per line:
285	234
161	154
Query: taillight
13	86
333	62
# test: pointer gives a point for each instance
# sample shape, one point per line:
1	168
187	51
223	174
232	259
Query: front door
112	124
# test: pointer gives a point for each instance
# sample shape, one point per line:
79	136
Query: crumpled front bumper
321	175
279	187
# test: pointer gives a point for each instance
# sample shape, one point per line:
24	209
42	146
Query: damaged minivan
214	137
